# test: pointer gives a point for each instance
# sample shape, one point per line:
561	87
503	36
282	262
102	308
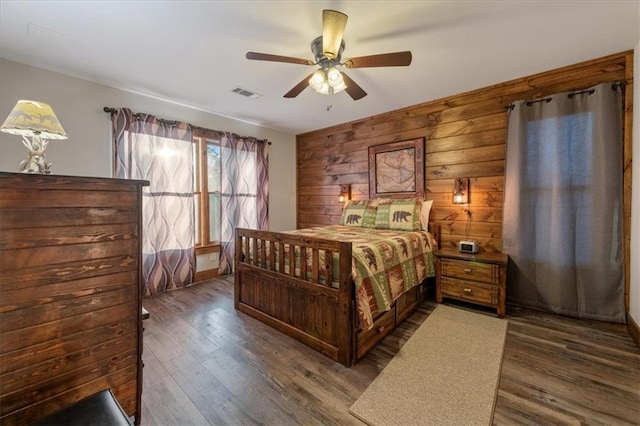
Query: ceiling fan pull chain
330	99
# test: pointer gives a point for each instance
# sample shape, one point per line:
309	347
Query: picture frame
396	169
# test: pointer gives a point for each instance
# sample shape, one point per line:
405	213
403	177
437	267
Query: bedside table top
484	257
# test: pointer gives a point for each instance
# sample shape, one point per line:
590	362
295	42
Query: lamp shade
33	118
345	193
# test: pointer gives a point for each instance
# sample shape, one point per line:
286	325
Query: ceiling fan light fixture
333	75
339	87
335	80
324	89
325	80
318	79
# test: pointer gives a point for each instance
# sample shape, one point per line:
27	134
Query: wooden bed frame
315	311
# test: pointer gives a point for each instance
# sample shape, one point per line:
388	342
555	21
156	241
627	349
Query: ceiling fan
327	50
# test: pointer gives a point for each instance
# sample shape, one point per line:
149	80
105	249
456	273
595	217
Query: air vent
246	93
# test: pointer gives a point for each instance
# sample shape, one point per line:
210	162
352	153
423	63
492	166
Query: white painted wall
634	287
88	152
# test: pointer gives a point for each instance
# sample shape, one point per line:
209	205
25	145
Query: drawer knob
381	329
467	290
467	270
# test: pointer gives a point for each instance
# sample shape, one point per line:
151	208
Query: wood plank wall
465	136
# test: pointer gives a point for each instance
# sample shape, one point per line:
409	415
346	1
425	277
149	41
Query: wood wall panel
465	136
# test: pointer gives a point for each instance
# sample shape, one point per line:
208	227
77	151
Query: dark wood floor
207	364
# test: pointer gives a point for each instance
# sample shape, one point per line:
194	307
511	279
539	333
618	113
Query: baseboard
634	330
205	275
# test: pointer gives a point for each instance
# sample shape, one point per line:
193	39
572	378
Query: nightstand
476	278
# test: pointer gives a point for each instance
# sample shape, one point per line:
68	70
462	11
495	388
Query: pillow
399	214
358	213
375	202
424	214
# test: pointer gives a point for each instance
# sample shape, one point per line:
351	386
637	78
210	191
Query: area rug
447	373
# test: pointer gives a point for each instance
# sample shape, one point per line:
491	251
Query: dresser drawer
485	272
475	292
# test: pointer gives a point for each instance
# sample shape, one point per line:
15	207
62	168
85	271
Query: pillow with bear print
358	213
399	214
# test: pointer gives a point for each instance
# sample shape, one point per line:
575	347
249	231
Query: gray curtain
562	225
161	152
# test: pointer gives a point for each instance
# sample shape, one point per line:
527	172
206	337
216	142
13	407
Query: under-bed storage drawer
406	304
382	326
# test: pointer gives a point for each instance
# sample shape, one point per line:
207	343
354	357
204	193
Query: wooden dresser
476	278
70	297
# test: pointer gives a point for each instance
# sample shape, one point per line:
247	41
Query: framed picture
396	169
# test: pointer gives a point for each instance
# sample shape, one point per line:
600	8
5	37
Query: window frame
201	137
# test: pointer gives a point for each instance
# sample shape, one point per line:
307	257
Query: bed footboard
298	285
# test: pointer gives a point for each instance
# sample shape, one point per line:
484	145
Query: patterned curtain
161	152
245	192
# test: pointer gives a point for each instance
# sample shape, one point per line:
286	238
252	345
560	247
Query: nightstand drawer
476	292
485	272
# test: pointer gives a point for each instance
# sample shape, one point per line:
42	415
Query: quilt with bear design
385	263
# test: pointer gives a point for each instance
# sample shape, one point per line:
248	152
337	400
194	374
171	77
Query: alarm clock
468	247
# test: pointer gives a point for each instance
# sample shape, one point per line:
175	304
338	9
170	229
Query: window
558	178
206	188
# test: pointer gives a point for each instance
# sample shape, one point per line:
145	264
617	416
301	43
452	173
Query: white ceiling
193	52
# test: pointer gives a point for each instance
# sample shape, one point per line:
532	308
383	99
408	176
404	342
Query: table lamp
36	123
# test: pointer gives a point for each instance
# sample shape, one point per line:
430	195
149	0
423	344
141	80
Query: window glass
213	166
214	216
198	230
213	181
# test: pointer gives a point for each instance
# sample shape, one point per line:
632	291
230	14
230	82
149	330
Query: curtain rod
111	110
580	92
546	100
614	86
138	114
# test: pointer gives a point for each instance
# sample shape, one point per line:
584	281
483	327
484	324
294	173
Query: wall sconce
345	193
461	191
35	122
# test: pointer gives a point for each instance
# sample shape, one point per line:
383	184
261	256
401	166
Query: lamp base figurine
35	162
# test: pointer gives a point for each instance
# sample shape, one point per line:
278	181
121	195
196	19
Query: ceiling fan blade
333	25
353	89
298	88
277	58
396	59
